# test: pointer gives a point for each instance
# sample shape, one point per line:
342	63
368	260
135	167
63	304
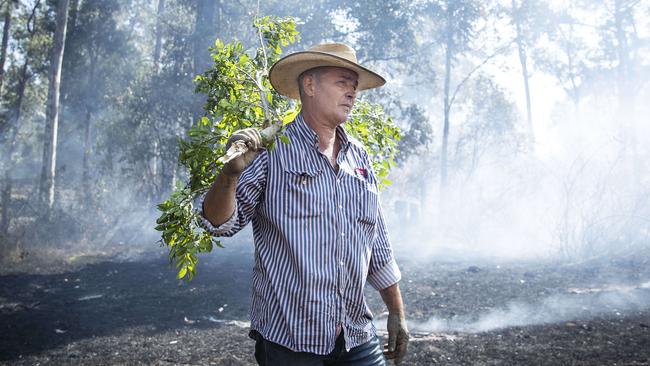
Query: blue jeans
272	354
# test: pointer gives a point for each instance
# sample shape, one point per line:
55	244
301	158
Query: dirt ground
137	313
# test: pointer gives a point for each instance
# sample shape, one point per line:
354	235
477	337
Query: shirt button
342	263
342	233
341	206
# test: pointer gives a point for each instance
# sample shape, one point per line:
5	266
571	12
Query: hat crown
337	49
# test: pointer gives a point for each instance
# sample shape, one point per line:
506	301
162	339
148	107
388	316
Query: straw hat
285	72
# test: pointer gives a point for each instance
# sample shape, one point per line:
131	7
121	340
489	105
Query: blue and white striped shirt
319	236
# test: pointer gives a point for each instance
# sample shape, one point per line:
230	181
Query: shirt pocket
367	201
303	196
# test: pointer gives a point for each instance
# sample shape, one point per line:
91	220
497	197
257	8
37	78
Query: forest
96	94
524	138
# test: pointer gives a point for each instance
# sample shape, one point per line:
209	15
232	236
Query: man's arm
219	203
398	335
384	275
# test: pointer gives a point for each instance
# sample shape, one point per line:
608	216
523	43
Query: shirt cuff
218	230
386	276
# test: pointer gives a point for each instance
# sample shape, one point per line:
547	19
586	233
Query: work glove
252	139
398	338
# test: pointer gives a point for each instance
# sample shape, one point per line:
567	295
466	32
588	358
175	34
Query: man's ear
308	84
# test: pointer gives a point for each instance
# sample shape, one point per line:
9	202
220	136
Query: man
318	227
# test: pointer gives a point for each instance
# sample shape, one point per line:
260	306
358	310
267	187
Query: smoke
557	308
580	191
572	305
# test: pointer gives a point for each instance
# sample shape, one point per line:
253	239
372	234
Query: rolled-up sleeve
250	190
383	271
219	230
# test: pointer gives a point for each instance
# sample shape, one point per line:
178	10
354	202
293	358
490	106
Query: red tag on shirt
361	172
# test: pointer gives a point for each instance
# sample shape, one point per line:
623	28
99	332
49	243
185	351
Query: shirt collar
308	135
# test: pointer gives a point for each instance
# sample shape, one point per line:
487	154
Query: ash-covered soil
460	313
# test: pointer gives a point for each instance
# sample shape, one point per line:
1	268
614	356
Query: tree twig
32	17
469	75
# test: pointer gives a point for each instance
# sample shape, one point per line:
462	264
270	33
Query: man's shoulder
288	149
354	142
357	147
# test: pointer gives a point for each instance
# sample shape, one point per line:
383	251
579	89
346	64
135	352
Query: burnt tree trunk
48	172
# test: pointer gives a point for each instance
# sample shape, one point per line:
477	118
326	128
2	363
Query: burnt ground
137	313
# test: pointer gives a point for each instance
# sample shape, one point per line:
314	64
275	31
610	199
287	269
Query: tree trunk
447	108
5	39
205	30
158	45
88	128
11	146
523	60
48	171
165	177
574	89
156	161
14	120
626	92
154	174
85	176
74	10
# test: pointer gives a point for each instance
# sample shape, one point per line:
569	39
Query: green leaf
182	273
289	116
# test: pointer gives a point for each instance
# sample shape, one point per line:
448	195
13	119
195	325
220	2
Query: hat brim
285	72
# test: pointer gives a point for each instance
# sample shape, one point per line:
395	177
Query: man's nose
351	93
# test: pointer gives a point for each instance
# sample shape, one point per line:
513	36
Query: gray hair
315	73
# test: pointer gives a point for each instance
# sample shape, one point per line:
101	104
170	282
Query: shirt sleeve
249	192
383	271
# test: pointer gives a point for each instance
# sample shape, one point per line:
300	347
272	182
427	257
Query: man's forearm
219	204
393	299
398	334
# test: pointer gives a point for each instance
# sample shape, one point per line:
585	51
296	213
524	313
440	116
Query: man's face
334	93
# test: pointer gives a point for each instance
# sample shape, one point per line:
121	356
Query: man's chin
343	117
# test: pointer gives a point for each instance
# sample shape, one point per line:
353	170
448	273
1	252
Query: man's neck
325	130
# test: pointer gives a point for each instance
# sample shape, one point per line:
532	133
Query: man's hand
253	140
398	337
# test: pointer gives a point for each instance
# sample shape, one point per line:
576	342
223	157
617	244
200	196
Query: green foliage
369	124
239	95
417	137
